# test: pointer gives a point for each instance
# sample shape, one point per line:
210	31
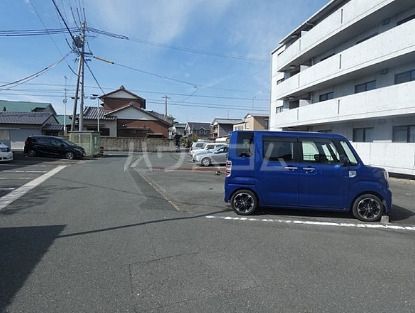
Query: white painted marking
18	171
22	190
7	188
314	223
14	178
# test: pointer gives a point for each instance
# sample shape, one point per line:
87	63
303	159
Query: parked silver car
217	156
5	153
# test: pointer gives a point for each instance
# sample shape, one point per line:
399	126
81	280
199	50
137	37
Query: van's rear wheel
368	208
244	202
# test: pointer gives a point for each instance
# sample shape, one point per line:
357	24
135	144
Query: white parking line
15	178
315	223
7	188
22	190
19	171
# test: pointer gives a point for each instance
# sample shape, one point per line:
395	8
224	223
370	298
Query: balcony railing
387	101
396	42
349	14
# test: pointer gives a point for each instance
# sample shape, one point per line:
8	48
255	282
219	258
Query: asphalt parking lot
192	188
151	233
24	169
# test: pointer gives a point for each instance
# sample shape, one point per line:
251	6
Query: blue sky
230	78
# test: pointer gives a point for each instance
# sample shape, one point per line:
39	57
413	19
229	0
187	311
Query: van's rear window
244	144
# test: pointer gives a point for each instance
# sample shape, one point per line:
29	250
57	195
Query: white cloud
158	20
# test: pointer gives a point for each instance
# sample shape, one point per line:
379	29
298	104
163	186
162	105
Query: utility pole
65	100
165	105
79	44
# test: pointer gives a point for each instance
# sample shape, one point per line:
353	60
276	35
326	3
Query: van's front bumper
387	201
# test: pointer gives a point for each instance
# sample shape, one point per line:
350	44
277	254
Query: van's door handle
291	168
309	169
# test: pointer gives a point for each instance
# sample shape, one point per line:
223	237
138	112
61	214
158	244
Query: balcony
388	101
369	56
351	14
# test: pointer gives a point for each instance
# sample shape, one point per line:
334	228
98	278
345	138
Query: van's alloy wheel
368	208
206	162
69	155
244	202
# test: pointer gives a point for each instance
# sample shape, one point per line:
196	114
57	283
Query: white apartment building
350	69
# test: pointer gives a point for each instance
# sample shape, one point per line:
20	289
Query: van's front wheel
368	208
244	202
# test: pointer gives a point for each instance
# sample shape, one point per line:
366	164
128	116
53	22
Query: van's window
317	151
348	152
208	147
277	149
245	144
199	145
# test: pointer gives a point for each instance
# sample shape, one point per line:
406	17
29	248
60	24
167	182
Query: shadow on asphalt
303	213
20	161
21	249
34	198
139	224
400	214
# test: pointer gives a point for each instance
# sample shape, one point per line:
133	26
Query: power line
152	91
33	32
194	51
212	106
33	76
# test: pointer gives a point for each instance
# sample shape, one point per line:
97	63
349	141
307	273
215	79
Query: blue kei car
304	170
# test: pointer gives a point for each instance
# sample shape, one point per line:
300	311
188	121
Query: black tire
368	208
31	153
205	162
69	155
244	202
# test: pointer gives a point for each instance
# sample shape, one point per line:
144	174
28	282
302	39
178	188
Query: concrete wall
137	144
394	157
389	101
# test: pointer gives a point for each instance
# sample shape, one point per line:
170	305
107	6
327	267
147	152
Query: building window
365	86
326	96
404	134
406	19
278	109
405	77
279	81
362	134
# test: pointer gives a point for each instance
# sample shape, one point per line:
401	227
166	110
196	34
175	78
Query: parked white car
217	156
197	146
6	154
207	148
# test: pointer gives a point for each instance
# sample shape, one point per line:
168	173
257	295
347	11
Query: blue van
304	170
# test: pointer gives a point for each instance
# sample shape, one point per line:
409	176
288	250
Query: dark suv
52	146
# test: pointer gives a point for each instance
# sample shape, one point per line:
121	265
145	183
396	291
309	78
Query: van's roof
297	133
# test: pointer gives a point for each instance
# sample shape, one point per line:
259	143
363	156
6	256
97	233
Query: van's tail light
228	168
